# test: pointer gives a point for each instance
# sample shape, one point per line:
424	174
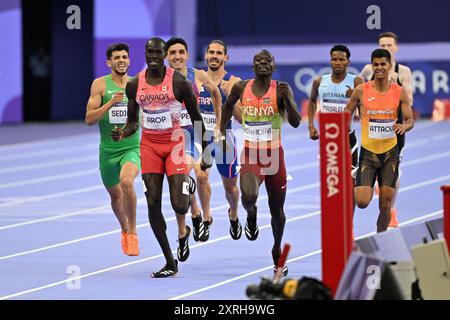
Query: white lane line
195	246
22	145
294	168
316	252
49	178
225	206
48	164
49	152
51	196
293	190
209	242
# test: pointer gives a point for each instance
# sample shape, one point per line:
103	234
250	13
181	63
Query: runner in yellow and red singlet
379	156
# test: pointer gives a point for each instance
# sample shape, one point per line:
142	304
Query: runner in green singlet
119	161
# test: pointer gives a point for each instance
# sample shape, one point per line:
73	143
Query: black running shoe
284	273
251	228
235	228
167	271
204	232
183	246
197	224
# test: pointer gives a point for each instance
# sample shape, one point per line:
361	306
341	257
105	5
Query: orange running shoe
132	244
124	242
394	221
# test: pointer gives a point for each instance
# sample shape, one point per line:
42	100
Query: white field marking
51	196
316	252
48	164
145	259
49	178
294	168
195	246
39	143
39	153
293	190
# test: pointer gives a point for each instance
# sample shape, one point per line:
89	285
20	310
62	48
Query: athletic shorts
354	148
168	157
111	163
268	165
226	162
383	166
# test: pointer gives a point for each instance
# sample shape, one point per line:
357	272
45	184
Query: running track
55	220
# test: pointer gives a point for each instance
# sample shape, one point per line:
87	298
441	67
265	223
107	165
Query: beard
220	63
120	73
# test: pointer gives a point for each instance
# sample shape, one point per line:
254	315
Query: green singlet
113	155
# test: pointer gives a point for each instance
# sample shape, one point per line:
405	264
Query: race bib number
329	105
157	120
209	119
258	131
381	128
185	118
118	114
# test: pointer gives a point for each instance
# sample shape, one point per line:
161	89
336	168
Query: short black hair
116	47
157	39
380	53
388	35
225	49
175	40
341	48
267	52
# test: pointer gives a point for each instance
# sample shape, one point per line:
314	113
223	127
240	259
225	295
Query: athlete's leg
195	210
387	180
385	204
204	190
179	198
278	221
249	184
232	195
127	175
153	183
116	195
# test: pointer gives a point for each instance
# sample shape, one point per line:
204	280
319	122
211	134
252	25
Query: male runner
226	162
177	56
334	90
264	104
379	158
159	92
119	162
402	75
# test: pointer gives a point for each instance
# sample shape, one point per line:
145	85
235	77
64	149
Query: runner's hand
206	162
399	128
117	133
349	92
117	97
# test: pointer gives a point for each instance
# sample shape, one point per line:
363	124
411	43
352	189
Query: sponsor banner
336	195
430	80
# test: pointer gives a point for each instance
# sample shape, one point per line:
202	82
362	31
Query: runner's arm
94	109
214	91
288	103
366	73
354	100
408	120
406	77
132	109
312	108
237	112
228	107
